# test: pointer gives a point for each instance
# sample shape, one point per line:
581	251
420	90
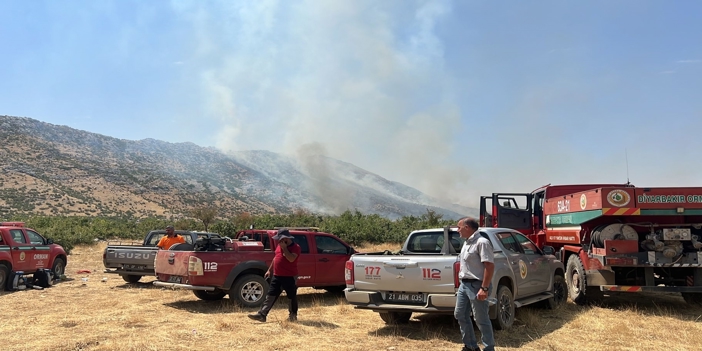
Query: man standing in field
284	271
170	239
477	261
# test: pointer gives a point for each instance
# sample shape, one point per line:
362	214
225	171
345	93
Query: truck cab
25	252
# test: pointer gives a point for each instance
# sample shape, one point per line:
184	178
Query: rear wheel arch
55	266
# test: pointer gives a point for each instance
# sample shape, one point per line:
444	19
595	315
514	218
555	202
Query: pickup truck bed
132	262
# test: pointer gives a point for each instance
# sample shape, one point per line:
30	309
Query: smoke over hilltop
356	80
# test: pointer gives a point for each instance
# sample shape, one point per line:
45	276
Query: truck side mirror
549	250
351	251
49	241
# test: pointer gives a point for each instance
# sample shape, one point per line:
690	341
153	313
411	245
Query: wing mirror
549	250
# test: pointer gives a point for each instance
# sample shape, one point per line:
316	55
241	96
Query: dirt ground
100	311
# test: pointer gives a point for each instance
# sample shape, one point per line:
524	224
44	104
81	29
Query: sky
455	98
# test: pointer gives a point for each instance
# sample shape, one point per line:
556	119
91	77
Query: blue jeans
465	303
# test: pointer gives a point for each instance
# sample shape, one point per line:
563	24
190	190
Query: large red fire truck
612	237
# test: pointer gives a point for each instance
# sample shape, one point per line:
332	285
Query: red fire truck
612	237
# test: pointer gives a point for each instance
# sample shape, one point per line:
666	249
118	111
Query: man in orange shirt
170	239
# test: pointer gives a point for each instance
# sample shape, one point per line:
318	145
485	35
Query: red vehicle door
306	265
332	255
41	255
22	251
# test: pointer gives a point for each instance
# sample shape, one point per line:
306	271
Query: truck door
516	260
22	251
332	255
42	251
306	263
507	210
536	269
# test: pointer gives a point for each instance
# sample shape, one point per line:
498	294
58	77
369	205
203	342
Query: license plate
404	298
175	279
134	266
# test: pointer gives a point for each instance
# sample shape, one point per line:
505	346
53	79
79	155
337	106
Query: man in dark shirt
284	271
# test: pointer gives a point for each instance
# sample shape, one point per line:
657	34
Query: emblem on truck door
522	269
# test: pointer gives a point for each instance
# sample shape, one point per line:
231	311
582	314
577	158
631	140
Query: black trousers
278	285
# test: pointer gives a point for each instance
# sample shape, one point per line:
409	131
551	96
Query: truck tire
395	317
131	278
505	308
575	273
249	290
693	298
4	273
215	295
59	267
578	290
559	291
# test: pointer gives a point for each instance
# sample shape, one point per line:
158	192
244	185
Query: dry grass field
112	315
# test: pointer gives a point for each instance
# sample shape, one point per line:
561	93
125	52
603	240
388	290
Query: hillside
57	170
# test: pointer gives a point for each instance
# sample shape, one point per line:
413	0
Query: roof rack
12	224
311	229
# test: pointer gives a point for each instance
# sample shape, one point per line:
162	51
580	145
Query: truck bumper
625	288
183	286
123	272
374	301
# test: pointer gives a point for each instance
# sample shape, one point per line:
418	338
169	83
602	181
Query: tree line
353	227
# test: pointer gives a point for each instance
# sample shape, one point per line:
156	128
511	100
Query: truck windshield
432	242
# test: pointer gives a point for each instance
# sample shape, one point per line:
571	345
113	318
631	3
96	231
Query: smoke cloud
359	81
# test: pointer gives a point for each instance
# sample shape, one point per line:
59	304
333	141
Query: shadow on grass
651	304
445	327
533	322
317	324
306	299
138	285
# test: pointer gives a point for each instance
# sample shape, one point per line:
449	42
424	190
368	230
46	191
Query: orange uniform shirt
166	242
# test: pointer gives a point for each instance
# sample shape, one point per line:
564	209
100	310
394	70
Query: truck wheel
395	317
693	298
559	291
505	308
575	272
249	290
215	295
59	267
4	273
131	278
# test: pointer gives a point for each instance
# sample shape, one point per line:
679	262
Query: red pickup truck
24	252
215	267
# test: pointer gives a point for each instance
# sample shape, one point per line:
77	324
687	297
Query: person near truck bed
477	263
284	271
170	239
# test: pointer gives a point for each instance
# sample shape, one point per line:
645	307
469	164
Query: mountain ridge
58	170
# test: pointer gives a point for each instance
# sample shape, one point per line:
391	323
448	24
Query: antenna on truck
626	157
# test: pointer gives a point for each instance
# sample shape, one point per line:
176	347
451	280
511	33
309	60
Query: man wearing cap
284	271
170	239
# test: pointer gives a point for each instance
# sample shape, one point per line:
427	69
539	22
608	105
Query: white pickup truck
423	276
